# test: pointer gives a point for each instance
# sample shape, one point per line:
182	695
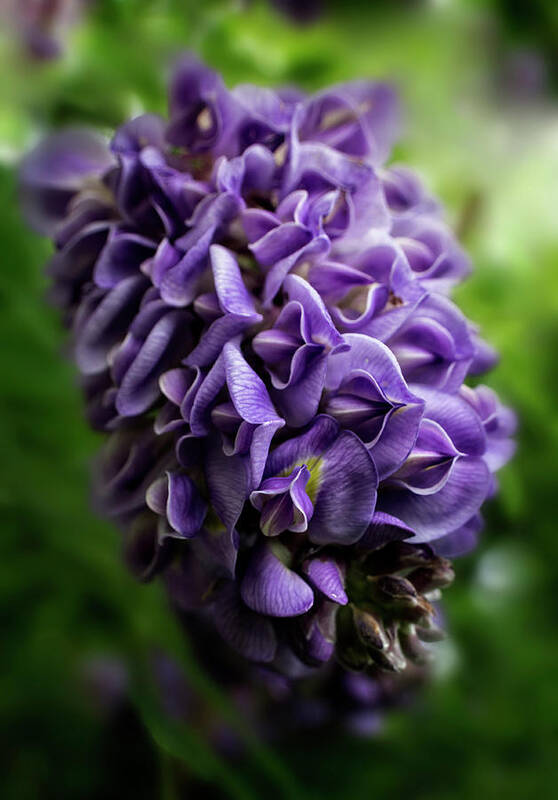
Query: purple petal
236	303
249	440
284	503
434	346
313	161
457	418
333	280
143	131
107	324
384	528
56	170
346	494
140	385
462	541
359	118
435	515
298	402
485	358
432	251
213	340
257	222
247	390
499	422
199	107
178	284
280	242
317	246
248	633
269	587
176	383
314	634
317	324
304	448
397	439
121	257
405	193
75	261
369	357
228	481
233	296
327	575
205	395
177	498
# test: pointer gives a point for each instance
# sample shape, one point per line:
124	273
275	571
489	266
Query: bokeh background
79	715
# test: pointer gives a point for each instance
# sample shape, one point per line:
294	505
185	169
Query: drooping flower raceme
260	311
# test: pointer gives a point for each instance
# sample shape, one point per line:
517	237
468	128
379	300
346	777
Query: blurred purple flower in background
260	311
41	25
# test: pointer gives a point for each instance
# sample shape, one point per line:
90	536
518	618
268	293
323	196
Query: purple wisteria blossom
41	26
259	308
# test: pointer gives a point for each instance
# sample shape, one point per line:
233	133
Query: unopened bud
370	630
437	575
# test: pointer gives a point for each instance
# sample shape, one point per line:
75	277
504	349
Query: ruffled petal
435	515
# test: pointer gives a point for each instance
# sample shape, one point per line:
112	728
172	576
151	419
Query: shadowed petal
176	497
140	384
55	170
121	257
299	402
228	481
107	324
207	392
461	541
317	246
248	633
384	528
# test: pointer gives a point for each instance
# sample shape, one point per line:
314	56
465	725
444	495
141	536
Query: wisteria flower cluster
260	311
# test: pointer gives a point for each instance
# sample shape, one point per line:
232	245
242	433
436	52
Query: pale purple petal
269	587
56	170
327	575
247	390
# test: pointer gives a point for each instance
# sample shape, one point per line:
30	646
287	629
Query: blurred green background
478	81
